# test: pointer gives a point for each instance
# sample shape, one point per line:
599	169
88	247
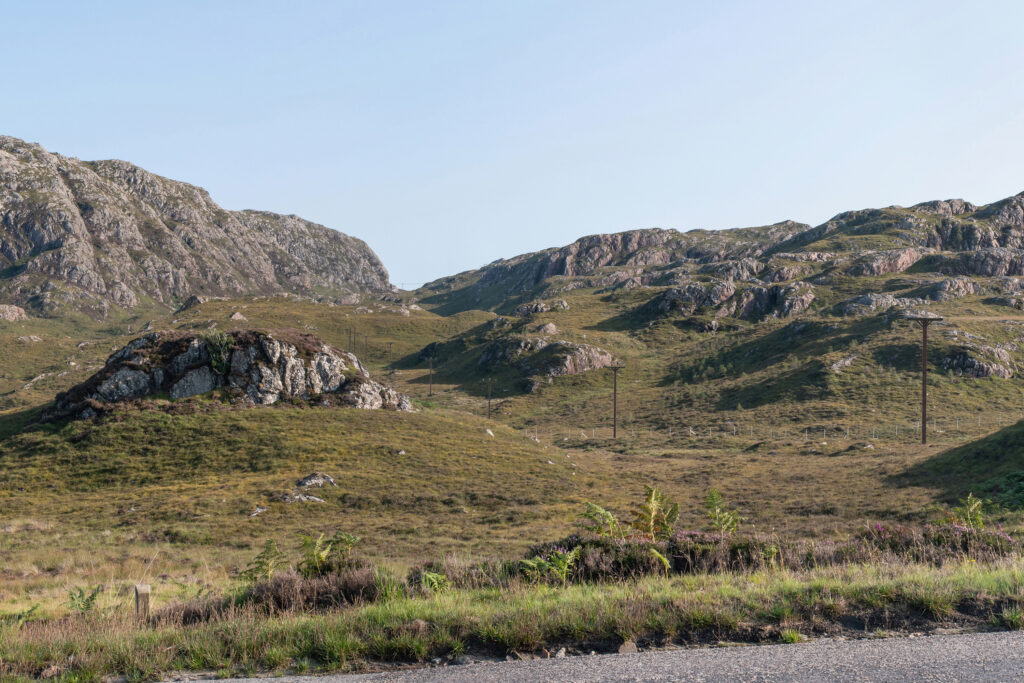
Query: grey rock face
870	303
198	381
975	360
689	298
777	301
124	384
953	288
882	262
743	269
90	235
990	262
260	370
538	356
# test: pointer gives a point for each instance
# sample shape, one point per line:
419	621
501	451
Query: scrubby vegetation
326	608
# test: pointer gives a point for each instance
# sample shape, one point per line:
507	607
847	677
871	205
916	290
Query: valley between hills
468	424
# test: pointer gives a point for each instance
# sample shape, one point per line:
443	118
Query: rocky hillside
755	272
251	367
87	235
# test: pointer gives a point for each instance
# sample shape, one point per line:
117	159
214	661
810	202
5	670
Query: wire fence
941	430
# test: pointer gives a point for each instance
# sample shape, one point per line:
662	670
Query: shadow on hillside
991	467
803	340
19	421
804	383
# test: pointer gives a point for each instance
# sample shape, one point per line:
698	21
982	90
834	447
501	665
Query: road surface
961	657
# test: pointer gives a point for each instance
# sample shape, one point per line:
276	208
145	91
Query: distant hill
88	235
951	238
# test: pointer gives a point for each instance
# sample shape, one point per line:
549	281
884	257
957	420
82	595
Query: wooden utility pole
615	399
924	321
489	380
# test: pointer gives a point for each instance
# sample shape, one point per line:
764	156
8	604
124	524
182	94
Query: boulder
992	262
317	479
525	310
12	314
547	328
237	316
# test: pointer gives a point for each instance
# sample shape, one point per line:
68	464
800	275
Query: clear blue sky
450	134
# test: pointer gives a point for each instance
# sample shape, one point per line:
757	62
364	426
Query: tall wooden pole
489	398
924	321
615	399
924	382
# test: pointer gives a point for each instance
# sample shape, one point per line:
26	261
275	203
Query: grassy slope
179	488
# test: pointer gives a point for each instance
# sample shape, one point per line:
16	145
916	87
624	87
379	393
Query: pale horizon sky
450	134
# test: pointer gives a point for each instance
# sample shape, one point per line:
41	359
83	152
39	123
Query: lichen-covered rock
255	368
883	262
12	314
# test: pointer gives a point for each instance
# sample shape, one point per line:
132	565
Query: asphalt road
962	657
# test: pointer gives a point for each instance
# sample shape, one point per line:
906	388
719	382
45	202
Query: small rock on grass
627	648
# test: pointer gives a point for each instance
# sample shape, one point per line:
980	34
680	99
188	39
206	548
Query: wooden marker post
142	602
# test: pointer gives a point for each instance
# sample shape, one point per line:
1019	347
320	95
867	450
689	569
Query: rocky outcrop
538	356
743	269
317	479
12	314
976	360
253	368
567	358
690	298
866	304
528	309
782	273
777	301
992	262
90	235
884	262
953	288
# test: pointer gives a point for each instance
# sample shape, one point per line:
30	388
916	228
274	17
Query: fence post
142	602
